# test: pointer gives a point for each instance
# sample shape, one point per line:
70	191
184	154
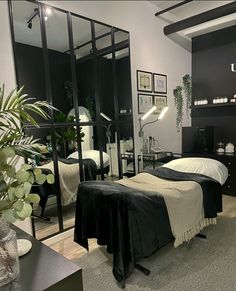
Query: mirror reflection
92	131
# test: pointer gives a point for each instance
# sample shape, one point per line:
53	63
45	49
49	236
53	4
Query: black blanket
133	224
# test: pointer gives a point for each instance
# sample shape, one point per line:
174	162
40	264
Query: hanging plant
187	85
179	106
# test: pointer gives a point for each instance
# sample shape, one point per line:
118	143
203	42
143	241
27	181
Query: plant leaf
9	215
33	198
27	187
19	191
50	179
18	205
25	212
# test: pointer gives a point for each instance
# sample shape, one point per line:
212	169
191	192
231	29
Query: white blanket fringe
188	235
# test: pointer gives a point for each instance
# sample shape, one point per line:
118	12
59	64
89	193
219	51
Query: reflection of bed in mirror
88	151
69	173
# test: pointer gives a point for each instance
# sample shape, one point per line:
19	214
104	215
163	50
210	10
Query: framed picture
144	81
160	102
160	83
145	102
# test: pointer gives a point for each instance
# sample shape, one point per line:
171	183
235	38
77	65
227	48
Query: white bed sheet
94	155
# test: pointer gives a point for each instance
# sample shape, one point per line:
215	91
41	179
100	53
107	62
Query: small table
127	157
44	269
154	158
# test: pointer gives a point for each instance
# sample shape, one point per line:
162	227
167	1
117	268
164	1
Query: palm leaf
15	112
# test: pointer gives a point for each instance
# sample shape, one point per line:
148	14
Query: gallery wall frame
144	81
160	102
160	83
145	102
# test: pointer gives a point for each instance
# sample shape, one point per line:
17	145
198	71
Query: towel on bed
69	179
184	202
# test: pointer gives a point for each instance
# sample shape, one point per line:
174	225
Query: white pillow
94	155
204	166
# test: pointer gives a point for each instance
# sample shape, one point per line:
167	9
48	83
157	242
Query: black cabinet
229	160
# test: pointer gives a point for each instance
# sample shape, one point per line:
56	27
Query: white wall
151	51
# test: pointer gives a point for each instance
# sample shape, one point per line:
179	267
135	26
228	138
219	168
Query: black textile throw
131	223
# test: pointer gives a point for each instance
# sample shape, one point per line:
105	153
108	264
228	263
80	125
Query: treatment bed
137	216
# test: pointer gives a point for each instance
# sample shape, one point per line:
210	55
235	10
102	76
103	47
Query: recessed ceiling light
45	17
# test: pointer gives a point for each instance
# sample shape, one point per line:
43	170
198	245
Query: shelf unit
227	104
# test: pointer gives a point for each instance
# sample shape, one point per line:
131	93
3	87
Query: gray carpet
202	265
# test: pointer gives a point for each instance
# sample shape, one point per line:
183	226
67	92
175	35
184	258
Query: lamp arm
150	122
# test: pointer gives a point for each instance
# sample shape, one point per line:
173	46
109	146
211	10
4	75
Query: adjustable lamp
141	133
108	135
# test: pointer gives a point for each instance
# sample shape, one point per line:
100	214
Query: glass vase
9	260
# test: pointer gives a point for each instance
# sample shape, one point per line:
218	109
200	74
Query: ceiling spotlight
30	25
48	11
46	17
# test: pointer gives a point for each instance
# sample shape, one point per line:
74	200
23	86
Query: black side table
154	158
44	269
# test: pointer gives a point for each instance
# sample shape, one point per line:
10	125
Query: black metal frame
173	7
201	18
51	125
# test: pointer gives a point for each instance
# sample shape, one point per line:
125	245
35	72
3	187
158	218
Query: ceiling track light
48	11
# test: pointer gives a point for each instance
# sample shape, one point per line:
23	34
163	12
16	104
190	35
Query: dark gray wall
212	77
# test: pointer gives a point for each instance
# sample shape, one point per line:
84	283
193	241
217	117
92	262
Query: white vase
9	260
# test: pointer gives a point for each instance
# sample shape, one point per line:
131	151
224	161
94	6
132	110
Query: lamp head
105	116
163	113
150	111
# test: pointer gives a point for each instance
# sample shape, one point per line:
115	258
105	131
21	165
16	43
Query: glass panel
127	148
106	90
84	64
46	213
82	37
69	171
59	62
120	36
28	49
102	36
123	81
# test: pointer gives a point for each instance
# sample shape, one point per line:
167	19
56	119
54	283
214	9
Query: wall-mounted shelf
214	105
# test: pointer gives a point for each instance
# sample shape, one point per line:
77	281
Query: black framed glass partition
82	67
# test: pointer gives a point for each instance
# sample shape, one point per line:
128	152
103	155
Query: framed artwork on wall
160	102
144	81
160	83
145	102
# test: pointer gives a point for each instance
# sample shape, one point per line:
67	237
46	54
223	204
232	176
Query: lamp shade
163	113
150	111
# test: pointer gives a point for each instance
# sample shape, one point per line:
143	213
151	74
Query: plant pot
9	260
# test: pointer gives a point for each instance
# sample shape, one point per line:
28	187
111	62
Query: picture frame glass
145	103
160	102
160	83
144	81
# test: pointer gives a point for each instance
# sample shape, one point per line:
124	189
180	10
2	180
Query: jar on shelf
220	147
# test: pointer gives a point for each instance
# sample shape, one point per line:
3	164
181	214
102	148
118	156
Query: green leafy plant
15	184
66	135
187	86
178	99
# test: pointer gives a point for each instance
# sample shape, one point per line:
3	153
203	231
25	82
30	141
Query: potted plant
16	181
179	100
66	137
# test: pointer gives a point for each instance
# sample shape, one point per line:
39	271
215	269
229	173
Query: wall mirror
82	67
